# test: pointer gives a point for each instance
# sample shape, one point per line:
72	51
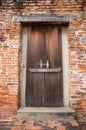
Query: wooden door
44	67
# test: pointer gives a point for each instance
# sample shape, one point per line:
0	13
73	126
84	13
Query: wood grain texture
53	86
44	88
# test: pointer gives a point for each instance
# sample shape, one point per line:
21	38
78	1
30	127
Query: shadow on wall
4	128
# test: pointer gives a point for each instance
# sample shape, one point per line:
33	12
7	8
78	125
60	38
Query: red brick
61	128
17	128
74	123
29	126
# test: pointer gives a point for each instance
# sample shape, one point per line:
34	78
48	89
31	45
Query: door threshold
45	113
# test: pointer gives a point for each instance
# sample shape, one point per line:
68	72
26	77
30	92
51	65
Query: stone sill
45	113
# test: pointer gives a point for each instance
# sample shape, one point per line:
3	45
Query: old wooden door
44	66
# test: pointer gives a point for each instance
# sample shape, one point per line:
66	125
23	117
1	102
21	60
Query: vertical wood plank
53	81
35	81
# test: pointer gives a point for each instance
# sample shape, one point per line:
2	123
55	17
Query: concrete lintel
64	18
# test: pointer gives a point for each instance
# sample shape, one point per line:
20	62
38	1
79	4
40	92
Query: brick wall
77	48
10	49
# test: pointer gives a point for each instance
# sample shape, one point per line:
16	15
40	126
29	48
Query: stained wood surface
53	92
42	87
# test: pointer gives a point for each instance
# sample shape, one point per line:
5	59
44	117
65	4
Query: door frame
65	62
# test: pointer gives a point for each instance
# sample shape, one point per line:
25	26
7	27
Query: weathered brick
10	49
74	123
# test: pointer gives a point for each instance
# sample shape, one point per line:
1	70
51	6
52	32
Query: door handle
46	64
40	64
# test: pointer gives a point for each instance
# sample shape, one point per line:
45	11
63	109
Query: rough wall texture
10	49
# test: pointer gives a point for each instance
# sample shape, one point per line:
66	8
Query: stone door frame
65	60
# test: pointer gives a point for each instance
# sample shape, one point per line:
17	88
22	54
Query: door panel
35	82
35	46
51	89
51	45
44	83
36	91
53	86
